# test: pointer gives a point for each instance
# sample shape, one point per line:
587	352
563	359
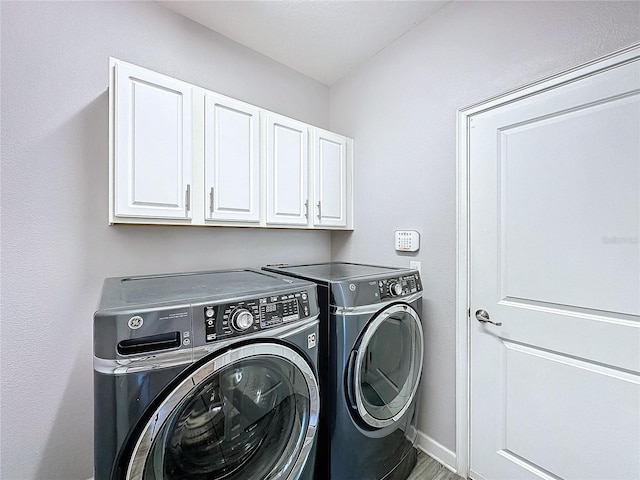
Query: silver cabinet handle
483	316
306	209
188	197
319	211
211	201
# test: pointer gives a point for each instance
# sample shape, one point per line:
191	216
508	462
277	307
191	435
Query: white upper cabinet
152	145
184	155
232	159
287	158
332	178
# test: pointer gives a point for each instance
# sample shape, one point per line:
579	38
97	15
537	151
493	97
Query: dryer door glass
249	414
388	365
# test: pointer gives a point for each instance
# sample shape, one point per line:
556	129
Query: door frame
463	240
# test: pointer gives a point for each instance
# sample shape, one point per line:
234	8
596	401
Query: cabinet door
153	158
287	171
232	163
332	172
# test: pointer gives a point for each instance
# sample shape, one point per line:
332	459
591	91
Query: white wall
400	109
56	244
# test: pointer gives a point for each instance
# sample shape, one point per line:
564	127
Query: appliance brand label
135	322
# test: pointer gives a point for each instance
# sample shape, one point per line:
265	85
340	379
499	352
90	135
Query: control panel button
395	289
241	319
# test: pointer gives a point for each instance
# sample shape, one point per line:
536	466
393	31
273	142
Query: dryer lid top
185	287
336	271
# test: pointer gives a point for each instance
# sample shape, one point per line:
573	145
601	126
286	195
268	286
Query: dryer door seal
250	412
388	366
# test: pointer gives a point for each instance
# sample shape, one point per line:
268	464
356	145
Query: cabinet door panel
232	161
332	169
287	171
153	145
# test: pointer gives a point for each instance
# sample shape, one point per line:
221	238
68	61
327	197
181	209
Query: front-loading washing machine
371	354
206	375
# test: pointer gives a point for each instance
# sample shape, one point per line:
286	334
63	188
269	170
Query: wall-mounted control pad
407	241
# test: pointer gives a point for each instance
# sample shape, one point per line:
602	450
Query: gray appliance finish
371	353
206	375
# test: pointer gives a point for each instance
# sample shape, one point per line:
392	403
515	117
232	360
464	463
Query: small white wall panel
287	172
232	162
153	145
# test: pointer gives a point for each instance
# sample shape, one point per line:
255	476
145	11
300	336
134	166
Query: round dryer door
387	365
251	412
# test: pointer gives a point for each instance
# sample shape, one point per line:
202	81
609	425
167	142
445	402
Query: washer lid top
186	287
335	271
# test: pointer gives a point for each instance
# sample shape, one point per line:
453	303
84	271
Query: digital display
279	312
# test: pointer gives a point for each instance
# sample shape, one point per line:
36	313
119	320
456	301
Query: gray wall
400	108
56	243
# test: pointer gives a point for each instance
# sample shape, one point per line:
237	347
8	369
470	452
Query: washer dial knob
241	319
395	289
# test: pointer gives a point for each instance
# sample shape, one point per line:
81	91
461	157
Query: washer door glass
250	414
388	365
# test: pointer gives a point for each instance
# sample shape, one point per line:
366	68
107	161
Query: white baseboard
437	451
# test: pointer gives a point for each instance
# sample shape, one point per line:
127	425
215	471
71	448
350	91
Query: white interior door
555	262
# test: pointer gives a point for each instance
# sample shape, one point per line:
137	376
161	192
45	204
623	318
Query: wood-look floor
429	469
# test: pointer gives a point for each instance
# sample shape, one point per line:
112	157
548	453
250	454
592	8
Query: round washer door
250	412
388	365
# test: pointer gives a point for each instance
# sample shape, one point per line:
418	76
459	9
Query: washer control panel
399	286
248	316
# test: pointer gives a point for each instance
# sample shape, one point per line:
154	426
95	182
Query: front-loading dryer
206	375
371	354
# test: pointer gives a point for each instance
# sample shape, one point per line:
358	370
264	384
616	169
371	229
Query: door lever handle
483	316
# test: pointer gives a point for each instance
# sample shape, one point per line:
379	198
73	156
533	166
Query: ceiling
322	39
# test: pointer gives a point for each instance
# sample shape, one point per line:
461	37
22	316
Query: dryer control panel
250	316
399	286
